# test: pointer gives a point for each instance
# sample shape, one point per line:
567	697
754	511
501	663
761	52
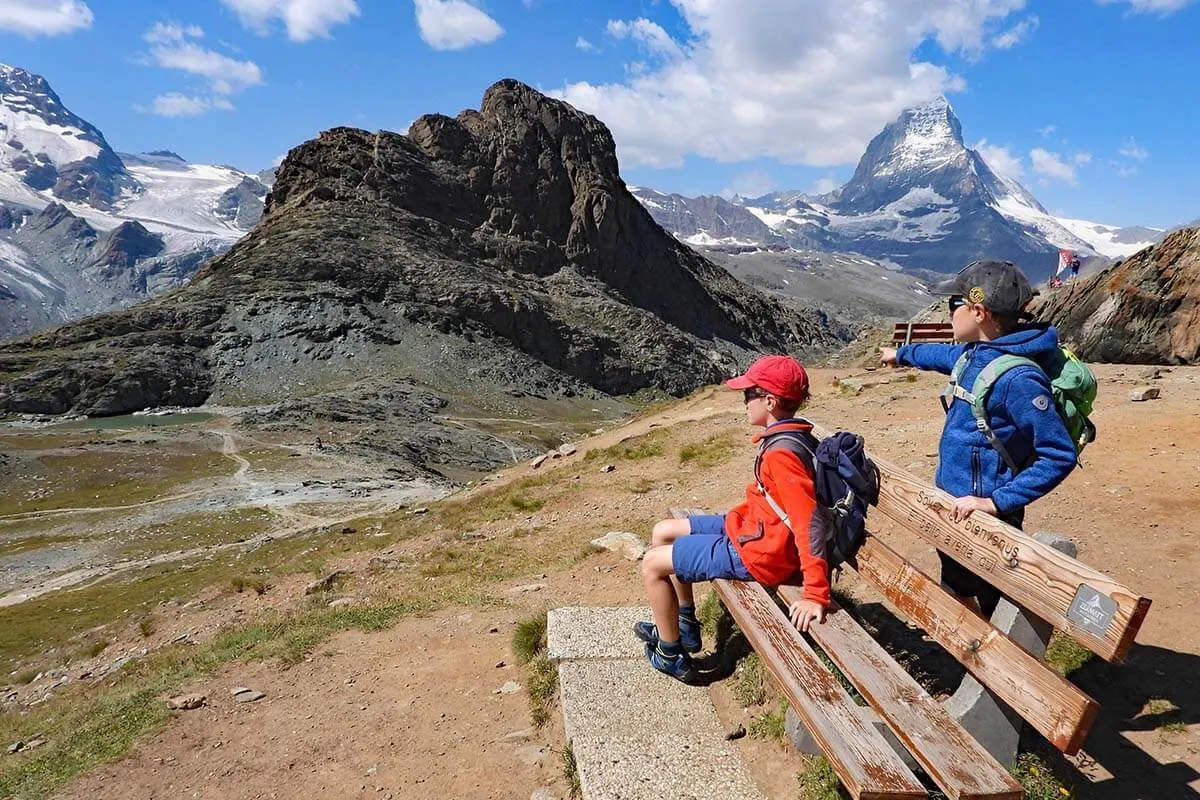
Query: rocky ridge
494	262
1144	310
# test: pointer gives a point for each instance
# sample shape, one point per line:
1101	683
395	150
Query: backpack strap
953	389
976	397
984	381
794	440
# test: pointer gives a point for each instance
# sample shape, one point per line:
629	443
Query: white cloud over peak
754	183
1001	159
303	19
454	24
1131	149
1051	167
802	82
174	46
44	17
647	33
1016	34
175	104
1163	7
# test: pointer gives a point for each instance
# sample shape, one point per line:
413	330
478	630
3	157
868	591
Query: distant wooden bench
1093	609
922	332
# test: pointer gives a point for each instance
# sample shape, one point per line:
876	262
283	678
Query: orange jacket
770	551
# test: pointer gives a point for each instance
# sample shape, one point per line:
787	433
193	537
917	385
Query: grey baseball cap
999	286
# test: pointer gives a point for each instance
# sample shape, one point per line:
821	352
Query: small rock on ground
186	702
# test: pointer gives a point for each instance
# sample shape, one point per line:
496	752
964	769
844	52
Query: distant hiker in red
749	543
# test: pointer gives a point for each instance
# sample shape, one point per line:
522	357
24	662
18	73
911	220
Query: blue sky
1090	103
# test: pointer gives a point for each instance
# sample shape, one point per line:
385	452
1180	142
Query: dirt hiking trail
422	710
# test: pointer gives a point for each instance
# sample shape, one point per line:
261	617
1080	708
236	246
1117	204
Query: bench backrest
918	332
1092	608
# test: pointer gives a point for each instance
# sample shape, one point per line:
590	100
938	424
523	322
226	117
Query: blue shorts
706	553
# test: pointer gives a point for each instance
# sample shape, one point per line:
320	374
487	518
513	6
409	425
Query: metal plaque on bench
1091	610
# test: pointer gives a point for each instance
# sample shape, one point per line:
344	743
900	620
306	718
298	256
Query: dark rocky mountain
1145	310
479	266
919	199
58	171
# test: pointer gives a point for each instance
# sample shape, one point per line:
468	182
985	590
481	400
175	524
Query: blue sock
688	613
669	648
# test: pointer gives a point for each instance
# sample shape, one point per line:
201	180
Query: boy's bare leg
665	532
657	575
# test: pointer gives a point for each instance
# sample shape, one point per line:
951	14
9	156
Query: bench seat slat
1050	703
866	764
1035	575
951	756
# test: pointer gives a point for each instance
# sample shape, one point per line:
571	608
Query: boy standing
749	543
986	301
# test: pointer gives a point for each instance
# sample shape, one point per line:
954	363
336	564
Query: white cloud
754	183
174	46
303	19
1051	167
1016	34
455	24
1131	149
1001	160
1082	158
586	46
1163	7
1046	131
823	186
805	85
175	104
649	34
44	17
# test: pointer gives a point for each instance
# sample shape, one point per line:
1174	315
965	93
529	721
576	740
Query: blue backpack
846	481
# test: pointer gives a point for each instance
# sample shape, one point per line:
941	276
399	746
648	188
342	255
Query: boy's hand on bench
887	355
964	506
805	613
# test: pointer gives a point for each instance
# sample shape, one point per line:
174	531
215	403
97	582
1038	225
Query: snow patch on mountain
24	134
180	197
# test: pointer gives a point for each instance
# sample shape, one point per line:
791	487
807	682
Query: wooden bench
922	332
1093	609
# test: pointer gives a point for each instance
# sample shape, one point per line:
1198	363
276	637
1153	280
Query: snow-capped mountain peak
83	229
919	198
51	149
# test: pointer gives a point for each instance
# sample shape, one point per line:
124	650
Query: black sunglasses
956	302
750	394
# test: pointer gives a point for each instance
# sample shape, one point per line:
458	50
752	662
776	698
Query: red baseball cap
782	376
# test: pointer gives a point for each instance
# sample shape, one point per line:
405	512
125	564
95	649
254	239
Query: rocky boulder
1144	310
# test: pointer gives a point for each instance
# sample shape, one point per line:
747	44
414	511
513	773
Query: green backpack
1071	383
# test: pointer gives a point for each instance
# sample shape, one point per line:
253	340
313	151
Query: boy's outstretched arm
935	357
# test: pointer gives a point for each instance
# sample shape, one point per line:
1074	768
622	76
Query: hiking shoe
678	666
689	634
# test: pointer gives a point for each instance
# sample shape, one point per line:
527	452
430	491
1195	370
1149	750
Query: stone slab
574	632
636	734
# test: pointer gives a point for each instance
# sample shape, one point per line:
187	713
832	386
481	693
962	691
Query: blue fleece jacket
1021	411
